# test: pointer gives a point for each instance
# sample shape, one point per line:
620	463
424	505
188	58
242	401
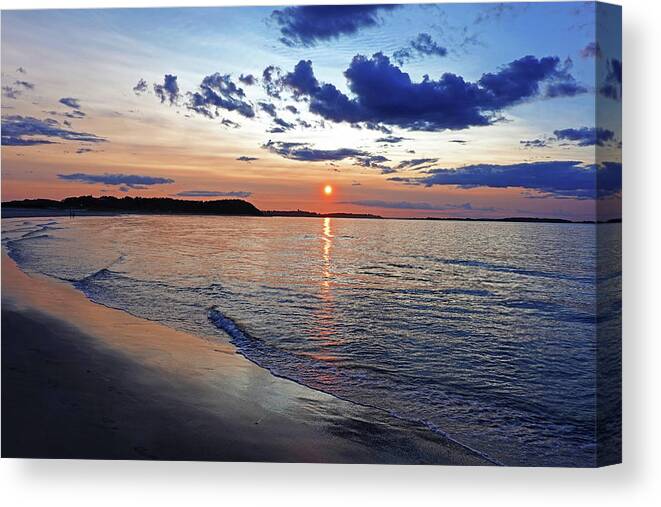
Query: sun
328	190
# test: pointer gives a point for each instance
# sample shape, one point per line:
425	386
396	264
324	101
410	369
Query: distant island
87	204
301	213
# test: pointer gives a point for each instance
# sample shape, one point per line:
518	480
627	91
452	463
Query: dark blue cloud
245	158
373	203
374	126
522	79
229	123
374	162
301	81
534	143
247	79
169	90
391	139
70	102
565	89
76	114
561	179
585	136
10	92
291	109
127	180
213	193
422	45
612	84
458	141
140	87
495	12
271	81
218	91
24	84
407	164
283	124
268	108
305	152
307	25
383	94
29	131
591	50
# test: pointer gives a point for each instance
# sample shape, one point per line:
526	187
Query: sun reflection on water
326	315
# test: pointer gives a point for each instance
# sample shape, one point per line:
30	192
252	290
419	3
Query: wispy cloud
414	162
534	143
213	193
140	87
583	136
391	139
27	131
612	84
24	84
10	92
412	205
305	152
422	45
70	102
127	180
591	50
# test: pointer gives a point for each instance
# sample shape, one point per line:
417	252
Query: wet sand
80	380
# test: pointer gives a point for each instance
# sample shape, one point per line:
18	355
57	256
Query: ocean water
485	332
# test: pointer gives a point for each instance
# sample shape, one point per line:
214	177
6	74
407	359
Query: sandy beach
84	381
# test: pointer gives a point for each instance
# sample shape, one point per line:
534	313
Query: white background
636	482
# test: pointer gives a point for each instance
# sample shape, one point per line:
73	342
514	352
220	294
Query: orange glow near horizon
328	190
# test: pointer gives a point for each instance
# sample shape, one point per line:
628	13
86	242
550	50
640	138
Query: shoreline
9	212
88	381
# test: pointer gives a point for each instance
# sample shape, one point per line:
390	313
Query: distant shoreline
11	212
109	206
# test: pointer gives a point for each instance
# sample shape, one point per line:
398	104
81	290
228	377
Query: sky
445	110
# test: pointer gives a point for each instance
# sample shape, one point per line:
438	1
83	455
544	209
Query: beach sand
80	380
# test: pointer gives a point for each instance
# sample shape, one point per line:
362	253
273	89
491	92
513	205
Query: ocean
485	332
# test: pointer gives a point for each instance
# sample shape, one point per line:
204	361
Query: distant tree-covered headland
141	205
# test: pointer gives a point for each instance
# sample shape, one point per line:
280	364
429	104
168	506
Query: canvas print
372	233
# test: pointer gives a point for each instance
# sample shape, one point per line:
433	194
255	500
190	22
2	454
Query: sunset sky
467	110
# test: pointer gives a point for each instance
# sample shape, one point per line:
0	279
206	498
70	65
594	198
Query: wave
500	268
244	341
228	325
